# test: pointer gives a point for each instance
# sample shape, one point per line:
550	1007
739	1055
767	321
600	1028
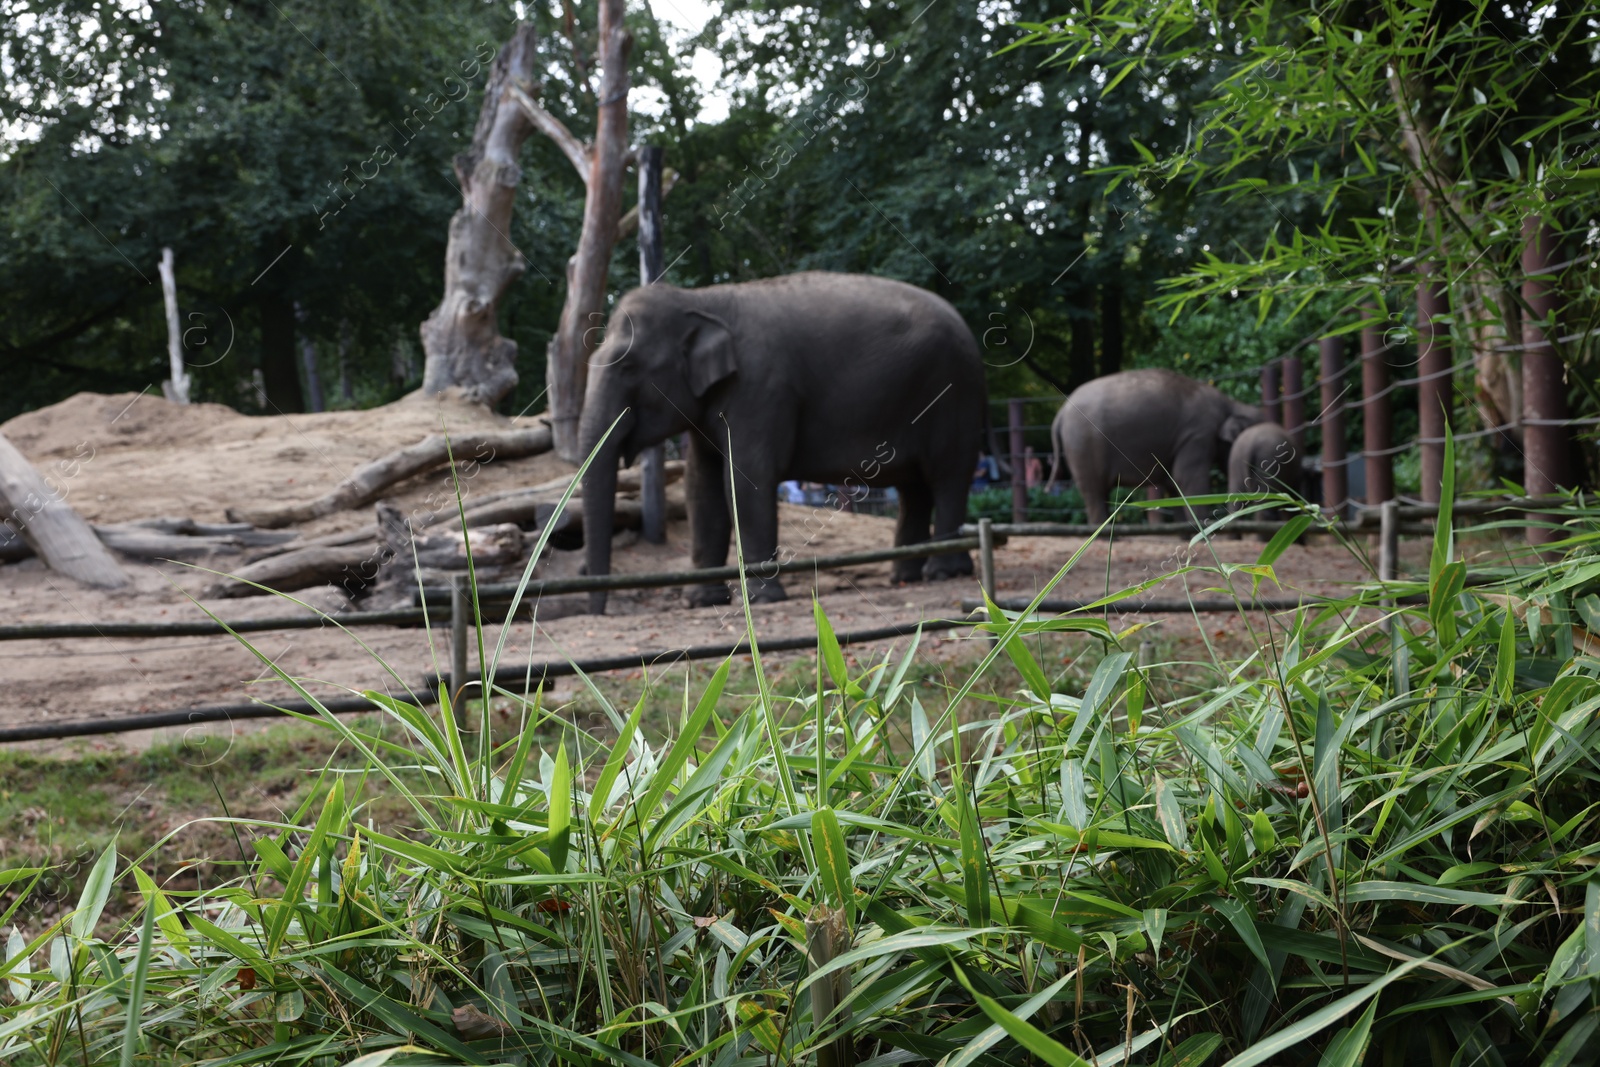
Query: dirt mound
135	455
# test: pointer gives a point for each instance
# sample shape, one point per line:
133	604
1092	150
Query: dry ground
144	457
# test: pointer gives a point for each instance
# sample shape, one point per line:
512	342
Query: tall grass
1349	848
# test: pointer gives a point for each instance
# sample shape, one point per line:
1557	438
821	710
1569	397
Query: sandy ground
143	457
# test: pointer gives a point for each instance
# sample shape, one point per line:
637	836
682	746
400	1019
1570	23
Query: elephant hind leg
950	511
916	515
709	523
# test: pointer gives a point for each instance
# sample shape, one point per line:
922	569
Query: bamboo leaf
833	861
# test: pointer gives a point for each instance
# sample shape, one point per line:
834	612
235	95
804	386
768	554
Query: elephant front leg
705	475
916	511
755	496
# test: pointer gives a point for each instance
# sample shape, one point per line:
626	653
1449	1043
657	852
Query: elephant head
650	377
1240	417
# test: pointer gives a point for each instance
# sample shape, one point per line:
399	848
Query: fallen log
153	544
54	530
369	481
241	533
352	566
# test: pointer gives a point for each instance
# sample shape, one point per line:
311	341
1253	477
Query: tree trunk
176	388
57	533
1436	392
280	374
582	317
461	338
1111	342
308	362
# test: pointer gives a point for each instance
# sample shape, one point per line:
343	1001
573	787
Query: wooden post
1389	551
176	388
653	485
986	556
1019	473
58	534
1294	404
1546	456
1271	406
1435	392
1335	472
1375	416
827	936
460	609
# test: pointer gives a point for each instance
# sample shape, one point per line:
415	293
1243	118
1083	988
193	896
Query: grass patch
1368	838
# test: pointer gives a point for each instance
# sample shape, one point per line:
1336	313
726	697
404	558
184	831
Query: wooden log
240	532
447	549
368	481
57	533
352	566
153	544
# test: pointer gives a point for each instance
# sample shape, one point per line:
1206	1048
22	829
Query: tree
1425	135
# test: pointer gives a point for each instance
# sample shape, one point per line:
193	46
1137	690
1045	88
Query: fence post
652	479
1375	415
1335	471
1019	470
1435	392
460	607
1270	406
1544	393
1388	552
1294	404
986	556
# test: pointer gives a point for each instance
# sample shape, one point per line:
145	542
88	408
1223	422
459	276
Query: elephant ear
709	349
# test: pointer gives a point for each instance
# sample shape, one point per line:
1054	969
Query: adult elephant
1151	427
834	378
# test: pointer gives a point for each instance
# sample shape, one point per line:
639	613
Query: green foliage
1379	137
1347	847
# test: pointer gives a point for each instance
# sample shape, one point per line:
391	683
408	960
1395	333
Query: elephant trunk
600	495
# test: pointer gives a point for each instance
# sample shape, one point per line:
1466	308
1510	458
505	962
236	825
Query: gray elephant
1264	460
834	378
1146	427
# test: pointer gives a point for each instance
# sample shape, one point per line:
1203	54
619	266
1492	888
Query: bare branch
553	128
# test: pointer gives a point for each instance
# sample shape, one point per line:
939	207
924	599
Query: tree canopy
1078	199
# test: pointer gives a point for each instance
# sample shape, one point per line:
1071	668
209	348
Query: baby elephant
1263	460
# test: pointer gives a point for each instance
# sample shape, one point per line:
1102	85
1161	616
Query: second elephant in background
1264	460
1151	427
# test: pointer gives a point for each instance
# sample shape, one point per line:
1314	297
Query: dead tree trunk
461	338
582	317
57	533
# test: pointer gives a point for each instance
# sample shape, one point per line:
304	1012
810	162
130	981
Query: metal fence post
1435	392
1544	386
1335	471
1019	468
652	479
1294	404
1271	406
460	607
1375	414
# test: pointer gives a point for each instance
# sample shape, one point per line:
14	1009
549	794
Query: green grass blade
136	981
